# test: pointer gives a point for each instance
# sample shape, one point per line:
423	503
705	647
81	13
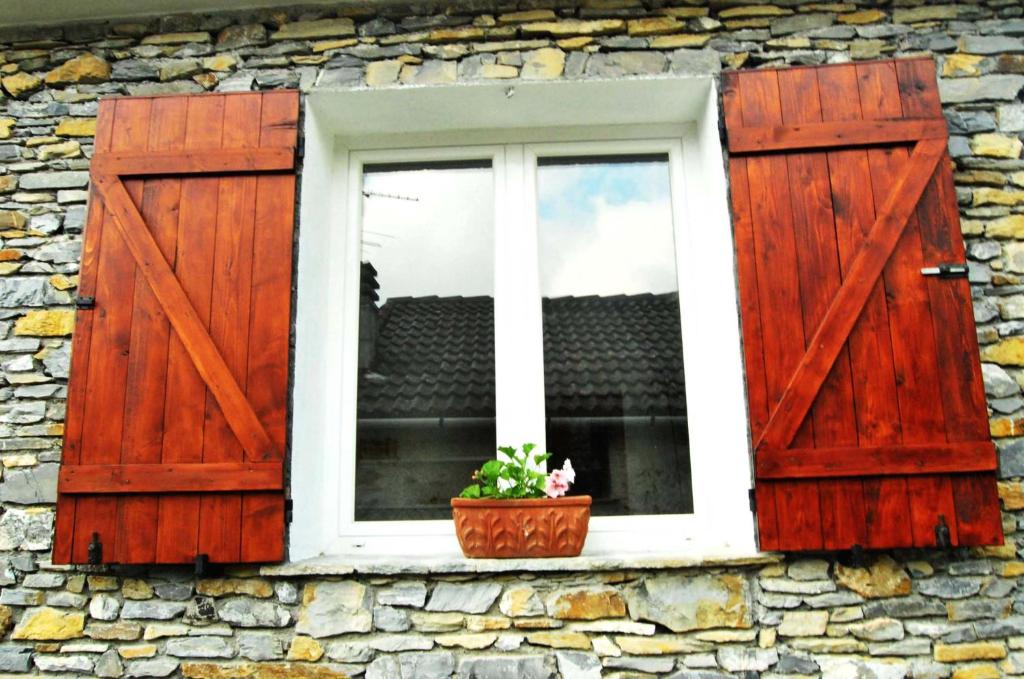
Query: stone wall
912	614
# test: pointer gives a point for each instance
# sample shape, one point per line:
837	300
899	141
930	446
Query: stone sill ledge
391	564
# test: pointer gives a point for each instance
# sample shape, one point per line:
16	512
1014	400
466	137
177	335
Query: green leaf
491	469
527	447
472	491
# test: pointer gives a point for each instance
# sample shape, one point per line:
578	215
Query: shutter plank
147	368
267	382
185	409
807	135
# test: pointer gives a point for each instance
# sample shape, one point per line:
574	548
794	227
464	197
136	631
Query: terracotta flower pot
521	528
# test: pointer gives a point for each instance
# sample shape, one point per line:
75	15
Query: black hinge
95	552
202	564
288	513
946	271
85	302
752	498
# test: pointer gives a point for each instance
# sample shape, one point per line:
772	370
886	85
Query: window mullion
518	328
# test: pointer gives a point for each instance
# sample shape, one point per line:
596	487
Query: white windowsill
390	564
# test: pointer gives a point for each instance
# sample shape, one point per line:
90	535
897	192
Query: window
500	283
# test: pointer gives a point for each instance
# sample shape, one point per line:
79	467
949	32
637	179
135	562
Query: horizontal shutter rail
195	162
834	134
900	459
171	478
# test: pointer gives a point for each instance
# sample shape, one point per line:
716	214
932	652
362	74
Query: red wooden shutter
867	407
179	378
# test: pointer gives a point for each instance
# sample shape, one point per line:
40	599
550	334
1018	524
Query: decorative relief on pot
522	528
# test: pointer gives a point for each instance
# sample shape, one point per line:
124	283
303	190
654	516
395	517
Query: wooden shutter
177	399
867	408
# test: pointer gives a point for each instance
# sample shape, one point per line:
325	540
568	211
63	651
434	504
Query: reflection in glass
613	366
425	401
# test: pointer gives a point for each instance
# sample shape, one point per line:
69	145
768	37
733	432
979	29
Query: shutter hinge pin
289	512
95	552
942	537
85	303
752	498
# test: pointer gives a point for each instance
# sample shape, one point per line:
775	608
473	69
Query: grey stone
959	147
472	597
134	69
992	629
151	610
619	64
972	567
350	651
1011	458
390	619
31	292
25	412
261	646
30	485
153	667
786	586
649	665
46	223
79	664
59	252
998	382
68	179
384	667
505	667
173	591
15	659
808	569
790	663
19	344
74	218
878	629
990	44
43	580
1011	117
695	62
881	31
579	665
403	594
237	82
1007	405
335	608
949	588
392	643
801	22
978	609
16	596
970	122
109	665
245	35
984	250
839	667
249	613
906	648
63	599
199	647
200	611
912	607
680	602
340	77
286	592
148	89
738	659
104	607
434	665
984	88
28	530
377	26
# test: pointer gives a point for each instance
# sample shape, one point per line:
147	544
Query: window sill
389	564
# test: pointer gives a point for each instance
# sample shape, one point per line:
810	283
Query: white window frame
324	420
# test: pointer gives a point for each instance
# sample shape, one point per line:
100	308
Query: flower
570	473
557	484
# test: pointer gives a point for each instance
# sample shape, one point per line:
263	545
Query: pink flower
570	473
557	484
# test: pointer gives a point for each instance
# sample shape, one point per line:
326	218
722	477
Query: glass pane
426	337
613	364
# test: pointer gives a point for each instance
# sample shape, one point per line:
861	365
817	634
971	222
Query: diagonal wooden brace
842	314
186	322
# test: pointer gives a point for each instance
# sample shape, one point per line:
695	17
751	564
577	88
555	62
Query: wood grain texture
819	135
170	366
893	460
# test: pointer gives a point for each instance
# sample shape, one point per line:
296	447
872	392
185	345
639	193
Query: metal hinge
288	513
85	302
752	498
95	552
946	271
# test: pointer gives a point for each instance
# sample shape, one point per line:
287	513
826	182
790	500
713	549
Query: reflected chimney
369	314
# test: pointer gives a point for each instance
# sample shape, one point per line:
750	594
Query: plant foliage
514	475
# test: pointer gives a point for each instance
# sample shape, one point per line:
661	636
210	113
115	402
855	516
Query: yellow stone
133	588
885	578
6	619
456	34
1010	351
5	127
989	177
657	645
55	429
1004	427
49	624
86	68
102	583
574	27
77	127
978	650
1012	569
8	255
956	65
206	80
324	45
574	43
546	63
537	623
766	637
380	73
473	641
684	12
23	460
8	183
587	604
256	587
790	43
737	24
12	219
753	11
425	621
527	16
160	630
196	670
20	84
486	623
996	145
727	636
176	38
866	16
985	671
1017	178
560	639
52	323
319	28
40	141
221	62
685	40
653	26
498	71
7	268
68	149
137	651
1007	551
987	196
1012	494
305	648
